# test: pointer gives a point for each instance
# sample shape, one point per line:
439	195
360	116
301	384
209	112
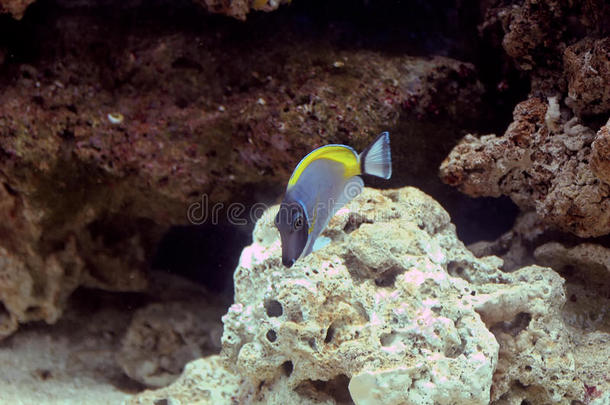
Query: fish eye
298	223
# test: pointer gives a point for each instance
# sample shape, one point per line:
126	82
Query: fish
324	181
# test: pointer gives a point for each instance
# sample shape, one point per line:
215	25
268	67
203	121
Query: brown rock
536	33
14	7
600	154
541	162
587	67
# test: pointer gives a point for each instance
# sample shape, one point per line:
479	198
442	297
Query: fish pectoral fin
321	242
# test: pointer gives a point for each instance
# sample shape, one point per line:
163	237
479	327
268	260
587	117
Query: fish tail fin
377	158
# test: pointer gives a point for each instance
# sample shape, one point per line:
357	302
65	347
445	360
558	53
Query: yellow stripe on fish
338	153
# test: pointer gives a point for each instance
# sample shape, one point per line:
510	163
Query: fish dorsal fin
339	153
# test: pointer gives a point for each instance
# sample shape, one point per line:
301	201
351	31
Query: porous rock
395	310
600	154
539	37
587	66
204	381
162	338
182	324
408	325
584	319
542	163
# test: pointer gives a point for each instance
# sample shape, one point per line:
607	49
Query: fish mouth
288	262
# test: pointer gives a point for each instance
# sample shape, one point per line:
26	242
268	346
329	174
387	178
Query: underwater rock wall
117	141
234	8
546	160
395	310
542	162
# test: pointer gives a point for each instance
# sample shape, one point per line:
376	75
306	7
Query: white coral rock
377	307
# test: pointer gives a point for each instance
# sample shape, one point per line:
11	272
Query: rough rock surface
331	330
14	7
350	313
585	267
394	309
541	162
204	381
117	141
600	154
163	337
587	65
539	36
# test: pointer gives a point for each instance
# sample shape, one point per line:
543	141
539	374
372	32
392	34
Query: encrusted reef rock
542	162
394	310
600	154
163	337
585	315
180	323
555	41
587	65
204	381
346	318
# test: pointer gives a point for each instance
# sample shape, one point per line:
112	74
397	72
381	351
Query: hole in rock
9	189
287	368
43	374
4	314
295	316
455	269
518	324
32	311
387	279
271	335
388	339
273	308
330	333
323	391
354	221
186	63
455	350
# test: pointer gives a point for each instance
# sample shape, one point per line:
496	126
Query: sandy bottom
71	362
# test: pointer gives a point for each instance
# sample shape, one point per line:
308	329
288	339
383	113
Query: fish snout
287	262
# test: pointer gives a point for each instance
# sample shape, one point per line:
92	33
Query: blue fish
323	182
